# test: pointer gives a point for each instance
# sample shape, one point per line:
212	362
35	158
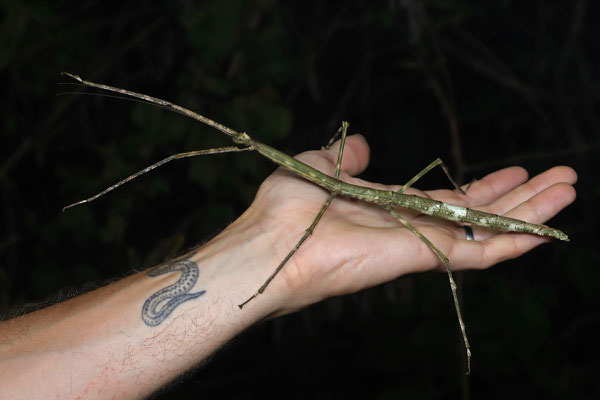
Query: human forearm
98	343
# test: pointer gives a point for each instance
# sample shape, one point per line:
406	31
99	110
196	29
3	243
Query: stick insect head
243	139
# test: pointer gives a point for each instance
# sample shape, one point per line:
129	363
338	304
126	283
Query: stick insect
384	198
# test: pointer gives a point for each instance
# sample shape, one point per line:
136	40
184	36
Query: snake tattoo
162	303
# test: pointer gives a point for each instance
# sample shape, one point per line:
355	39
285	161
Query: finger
532	187
485	190
495	185
545	204
500	247
356	154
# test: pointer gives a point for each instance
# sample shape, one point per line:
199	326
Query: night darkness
520	78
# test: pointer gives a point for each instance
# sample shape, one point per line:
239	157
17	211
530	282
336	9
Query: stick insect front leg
158	164
312	226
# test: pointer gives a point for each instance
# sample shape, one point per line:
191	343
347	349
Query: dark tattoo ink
162	303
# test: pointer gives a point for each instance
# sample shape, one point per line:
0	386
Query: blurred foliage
520	78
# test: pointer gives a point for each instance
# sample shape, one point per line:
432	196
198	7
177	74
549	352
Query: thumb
356	154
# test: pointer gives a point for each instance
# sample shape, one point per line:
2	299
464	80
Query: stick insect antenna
112	96
153	100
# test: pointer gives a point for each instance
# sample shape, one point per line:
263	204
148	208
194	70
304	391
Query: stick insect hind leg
437	251
311	228
446	263
435	163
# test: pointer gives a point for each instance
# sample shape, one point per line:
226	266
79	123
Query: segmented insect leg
333	138
446	263
312	226
435	163
158	164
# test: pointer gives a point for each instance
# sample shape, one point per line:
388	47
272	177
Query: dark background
519	78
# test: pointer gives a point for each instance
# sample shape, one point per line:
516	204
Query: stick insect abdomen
480	218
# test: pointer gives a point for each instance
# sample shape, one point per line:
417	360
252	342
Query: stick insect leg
158	164
446	262
333	139
312	226
435	163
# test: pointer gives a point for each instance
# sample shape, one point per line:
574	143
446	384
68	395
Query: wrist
235	263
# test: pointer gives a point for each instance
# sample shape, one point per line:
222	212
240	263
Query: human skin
98	345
